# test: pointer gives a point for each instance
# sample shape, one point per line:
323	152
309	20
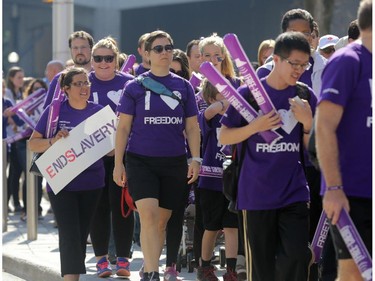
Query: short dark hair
365	15
83	35
353	30
153	36
190	45
296	14
289	41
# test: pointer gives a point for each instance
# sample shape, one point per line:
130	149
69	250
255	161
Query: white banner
86	143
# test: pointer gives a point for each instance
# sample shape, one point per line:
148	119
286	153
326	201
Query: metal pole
62	27
5	186
32	199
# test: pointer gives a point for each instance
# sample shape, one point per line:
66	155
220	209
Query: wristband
50	142
306	132
197	159
336	187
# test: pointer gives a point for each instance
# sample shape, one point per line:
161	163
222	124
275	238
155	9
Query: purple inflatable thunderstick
26	118
128	64
21	135
31	99
355	245
195	79
235	99
54	110
320	236
35	104
247	71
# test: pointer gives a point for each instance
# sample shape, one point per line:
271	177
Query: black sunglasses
159	48
106	58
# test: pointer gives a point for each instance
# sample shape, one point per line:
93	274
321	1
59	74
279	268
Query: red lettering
50	172
70	155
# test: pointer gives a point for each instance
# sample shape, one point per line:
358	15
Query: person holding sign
153	129
74	206
272	190
344	140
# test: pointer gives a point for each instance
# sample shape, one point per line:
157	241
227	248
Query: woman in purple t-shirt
73	206
153	129
107	84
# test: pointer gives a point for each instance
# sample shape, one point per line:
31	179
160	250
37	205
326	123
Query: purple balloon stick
355	245
320	236
195	80
26	118
32	98
247	71
21	135
128	64
54	110
235	99
37	102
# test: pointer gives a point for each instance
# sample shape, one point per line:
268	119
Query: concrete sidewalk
39	260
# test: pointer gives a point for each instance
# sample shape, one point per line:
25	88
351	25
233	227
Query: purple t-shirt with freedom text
93	176
108	92
158	120
347	81
272	177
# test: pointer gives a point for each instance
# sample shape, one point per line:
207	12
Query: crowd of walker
170	147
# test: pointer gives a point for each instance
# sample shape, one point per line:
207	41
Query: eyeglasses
106	58
159	48
298	66
80	84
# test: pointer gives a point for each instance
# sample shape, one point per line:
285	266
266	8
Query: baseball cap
327	41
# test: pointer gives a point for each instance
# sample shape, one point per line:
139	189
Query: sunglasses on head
159	48
106	58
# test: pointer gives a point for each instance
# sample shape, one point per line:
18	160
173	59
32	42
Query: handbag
231	173
33	167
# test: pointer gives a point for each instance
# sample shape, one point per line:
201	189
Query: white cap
342	42
327	41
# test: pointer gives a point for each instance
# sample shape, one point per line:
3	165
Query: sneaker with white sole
103	268
171	274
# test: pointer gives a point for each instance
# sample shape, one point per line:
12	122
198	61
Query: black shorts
162	178
361	215
215	211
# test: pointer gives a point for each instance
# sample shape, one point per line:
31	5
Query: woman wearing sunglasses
153	129
107	85
73	206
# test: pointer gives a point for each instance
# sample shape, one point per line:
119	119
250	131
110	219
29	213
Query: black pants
73	212
109	210
278	243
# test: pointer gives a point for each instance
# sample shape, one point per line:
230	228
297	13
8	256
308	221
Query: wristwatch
198	159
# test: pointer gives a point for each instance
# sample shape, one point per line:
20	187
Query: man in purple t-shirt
272	190
344	139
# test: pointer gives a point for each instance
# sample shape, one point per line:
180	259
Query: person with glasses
152	133
107	84
273	191
75	204
344	141
80	45
215	214
302	21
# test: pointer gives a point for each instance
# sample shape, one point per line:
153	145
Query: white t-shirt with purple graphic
347	81
272	177
93	176
158	120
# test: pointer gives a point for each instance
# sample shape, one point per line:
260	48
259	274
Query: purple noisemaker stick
235	99
128	64
320	236
195	80
32	98
21	135
247	71
54	110
355	245
35	104
26	118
